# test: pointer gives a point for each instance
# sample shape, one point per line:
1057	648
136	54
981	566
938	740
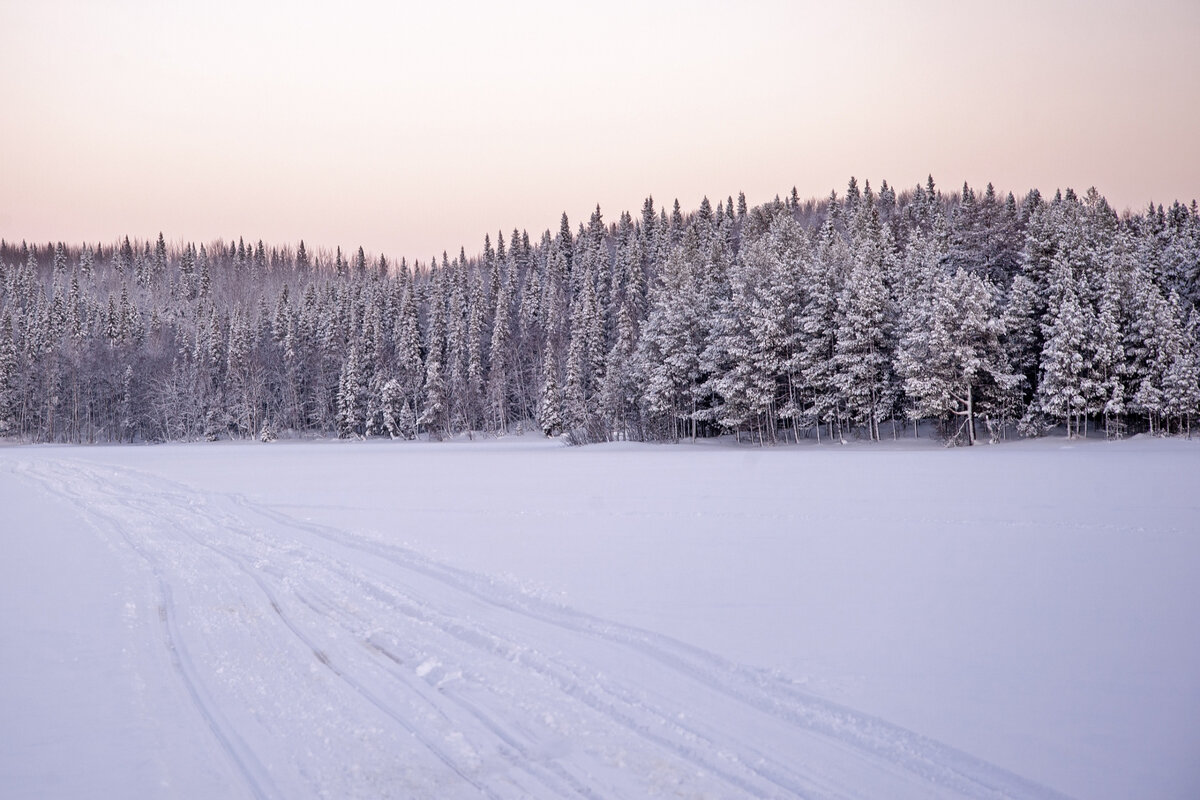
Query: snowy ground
515	619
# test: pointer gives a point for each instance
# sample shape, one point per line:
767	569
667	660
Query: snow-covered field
518	619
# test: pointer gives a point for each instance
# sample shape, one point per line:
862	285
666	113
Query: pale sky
415	128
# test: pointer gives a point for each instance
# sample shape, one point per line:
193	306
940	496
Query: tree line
859	315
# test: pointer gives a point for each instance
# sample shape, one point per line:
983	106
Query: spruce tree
1064	370
864	349
9	389
550	405
672	342
818	323
352	397
499	359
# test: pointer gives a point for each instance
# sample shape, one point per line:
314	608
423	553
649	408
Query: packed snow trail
328	664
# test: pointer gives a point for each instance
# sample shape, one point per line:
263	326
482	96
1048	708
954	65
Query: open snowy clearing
514	618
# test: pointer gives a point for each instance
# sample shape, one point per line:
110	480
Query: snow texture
519	619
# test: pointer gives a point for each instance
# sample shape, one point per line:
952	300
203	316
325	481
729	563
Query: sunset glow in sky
410	128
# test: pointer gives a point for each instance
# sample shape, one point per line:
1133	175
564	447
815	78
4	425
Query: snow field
512	618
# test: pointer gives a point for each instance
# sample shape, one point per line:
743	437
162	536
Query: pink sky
413	130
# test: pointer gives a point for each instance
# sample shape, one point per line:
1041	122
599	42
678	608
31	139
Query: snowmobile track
511	695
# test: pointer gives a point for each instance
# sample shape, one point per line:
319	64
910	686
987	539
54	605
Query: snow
516	618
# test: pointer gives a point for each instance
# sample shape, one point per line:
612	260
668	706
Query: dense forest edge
860	315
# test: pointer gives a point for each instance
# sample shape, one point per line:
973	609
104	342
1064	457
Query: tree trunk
970	416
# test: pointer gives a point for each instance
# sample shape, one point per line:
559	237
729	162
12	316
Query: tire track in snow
573	685
560	781
932	760
745	768
606	700
183	509
928	758
239	754
324	659
604	697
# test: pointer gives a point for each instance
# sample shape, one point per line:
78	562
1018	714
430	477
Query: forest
870	314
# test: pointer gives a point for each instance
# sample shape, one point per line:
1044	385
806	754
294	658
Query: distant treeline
858	315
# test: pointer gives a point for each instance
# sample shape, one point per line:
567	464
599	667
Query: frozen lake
515	618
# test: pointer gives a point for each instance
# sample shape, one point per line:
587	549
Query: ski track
328	663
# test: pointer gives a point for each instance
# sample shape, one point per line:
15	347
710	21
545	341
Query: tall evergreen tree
863	353
1065	370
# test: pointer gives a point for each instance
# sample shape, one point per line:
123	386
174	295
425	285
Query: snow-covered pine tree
500	357
1022	334
668	356
741	384
1107	343
1064	369
818	323
9	389
958	369
921	277
619	394
391	407
864	350
435	413
474	401
1181	383
352	397
549	410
